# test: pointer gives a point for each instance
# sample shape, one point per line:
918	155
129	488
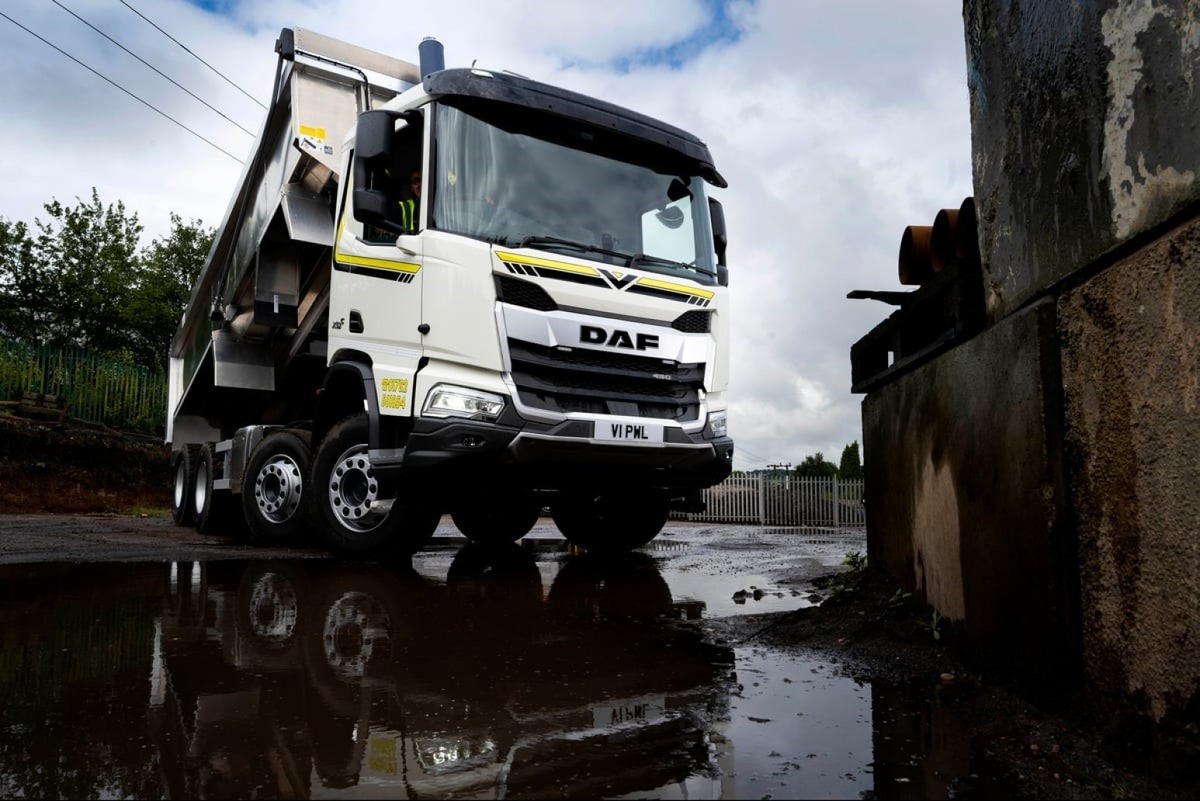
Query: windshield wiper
641	257
632	260
570	243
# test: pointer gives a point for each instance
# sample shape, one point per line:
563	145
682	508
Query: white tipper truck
544	326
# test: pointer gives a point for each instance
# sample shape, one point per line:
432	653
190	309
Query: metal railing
784	501
99	388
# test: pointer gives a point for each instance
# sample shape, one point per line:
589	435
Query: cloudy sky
836	122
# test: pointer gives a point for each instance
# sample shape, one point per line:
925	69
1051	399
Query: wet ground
195	667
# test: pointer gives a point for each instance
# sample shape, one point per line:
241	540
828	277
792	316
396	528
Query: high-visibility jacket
408	214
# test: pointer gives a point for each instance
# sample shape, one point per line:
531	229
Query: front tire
610	523
273	489
343	489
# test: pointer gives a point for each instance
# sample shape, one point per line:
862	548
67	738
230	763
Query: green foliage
163	284
816	467
850	466
933	625
79	279
856	567
899	599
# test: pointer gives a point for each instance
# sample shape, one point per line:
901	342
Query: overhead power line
741	451
148	64
193	55
122	88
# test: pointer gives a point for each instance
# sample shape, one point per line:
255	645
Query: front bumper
555	457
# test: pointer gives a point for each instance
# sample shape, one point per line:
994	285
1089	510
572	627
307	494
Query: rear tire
343	487
216	512
492	521
610	523
273	489
183	476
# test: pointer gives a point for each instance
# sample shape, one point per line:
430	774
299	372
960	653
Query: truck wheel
610	523
273	488
344	486
493	522
590	588
216	513
272	603
183	474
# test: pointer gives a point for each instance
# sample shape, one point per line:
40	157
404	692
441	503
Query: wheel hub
273	608
352	489
278	488
355	626
180	484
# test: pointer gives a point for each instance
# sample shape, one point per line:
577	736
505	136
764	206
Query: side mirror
373	150
720	239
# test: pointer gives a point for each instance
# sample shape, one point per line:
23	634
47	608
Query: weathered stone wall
1083	120
965	496
1131	379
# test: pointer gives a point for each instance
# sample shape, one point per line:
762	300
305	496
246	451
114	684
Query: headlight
450	401
716	422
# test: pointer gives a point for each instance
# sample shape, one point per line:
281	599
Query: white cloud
836	123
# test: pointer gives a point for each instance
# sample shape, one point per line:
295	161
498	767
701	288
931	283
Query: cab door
375	309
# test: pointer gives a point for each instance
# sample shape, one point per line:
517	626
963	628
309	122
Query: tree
23	297
162	286
87	255
81	280
68	283
850	466
816	467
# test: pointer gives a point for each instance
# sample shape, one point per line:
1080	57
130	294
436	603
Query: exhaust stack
431	55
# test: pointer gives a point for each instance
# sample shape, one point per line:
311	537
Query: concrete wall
1041	481
965	498
1131	378
1086	151
1083	119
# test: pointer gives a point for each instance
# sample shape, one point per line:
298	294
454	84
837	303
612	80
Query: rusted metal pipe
915	268
945	240
966	234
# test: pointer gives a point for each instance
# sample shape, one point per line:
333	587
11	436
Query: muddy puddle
524	673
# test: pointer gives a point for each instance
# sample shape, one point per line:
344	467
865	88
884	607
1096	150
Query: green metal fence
99	388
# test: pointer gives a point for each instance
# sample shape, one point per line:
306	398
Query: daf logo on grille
595	335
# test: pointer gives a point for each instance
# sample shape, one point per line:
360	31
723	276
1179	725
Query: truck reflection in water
298	679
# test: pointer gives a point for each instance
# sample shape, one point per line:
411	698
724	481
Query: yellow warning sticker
314	132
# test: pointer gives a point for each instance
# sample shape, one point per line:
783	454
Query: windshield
522	178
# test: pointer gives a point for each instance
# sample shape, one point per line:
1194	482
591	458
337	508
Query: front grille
580	380
523	293
693	322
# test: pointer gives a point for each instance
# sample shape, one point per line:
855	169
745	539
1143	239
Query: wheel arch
349	388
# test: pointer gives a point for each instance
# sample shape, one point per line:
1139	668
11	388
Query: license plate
629	432
641	710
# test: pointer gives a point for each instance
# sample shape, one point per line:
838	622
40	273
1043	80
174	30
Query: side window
401	179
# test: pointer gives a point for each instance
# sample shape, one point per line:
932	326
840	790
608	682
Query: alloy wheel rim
278	488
